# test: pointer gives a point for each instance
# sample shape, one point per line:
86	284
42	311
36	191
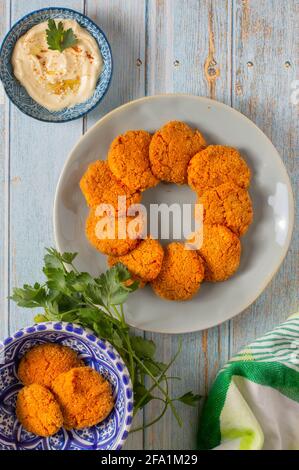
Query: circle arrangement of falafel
175	153
60	391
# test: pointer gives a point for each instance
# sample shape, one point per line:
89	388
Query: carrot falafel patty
228	205
38	411
44	362
84	396
128	159
181	273
171	149
144	262
216	165
97	232
220	251
99	186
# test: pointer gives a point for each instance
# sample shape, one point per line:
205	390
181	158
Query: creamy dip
56	79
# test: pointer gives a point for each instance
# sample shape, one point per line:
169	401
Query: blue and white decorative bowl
110	434
17	93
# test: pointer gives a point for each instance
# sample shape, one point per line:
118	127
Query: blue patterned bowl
17	93
99	354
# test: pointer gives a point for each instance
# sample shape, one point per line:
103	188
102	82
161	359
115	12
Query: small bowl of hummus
55	64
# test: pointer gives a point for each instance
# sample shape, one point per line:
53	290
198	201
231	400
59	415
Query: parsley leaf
140	391
58	38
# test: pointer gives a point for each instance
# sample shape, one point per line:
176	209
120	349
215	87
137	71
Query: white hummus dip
54	79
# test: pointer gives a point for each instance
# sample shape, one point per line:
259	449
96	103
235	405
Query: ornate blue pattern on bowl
17	93
99	354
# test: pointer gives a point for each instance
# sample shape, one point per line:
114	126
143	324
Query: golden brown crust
221	252
228	205
99	186
181	273
128	159
216	165
38	411
44	362
171	149
144	262
84	396
113	245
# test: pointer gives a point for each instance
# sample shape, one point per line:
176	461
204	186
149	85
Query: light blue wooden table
240	52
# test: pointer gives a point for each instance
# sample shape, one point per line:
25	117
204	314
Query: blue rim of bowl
96	26
89	336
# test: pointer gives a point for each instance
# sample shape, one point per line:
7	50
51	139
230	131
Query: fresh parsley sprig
97	303
58	38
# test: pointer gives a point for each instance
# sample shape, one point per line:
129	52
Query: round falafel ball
228	205
128	159
85	397
44	362
216	165
98	234
99	186
181	273
171	149
38	411
144	262
220	251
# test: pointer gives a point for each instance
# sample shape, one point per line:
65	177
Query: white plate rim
216	103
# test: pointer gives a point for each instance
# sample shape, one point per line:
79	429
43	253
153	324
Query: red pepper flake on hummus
55	79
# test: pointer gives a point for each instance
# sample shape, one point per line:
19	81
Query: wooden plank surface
241	53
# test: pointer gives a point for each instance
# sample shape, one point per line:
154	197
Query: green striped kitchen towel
254	401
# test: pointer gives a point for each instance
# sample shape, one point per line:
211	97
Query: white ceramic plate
263	247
